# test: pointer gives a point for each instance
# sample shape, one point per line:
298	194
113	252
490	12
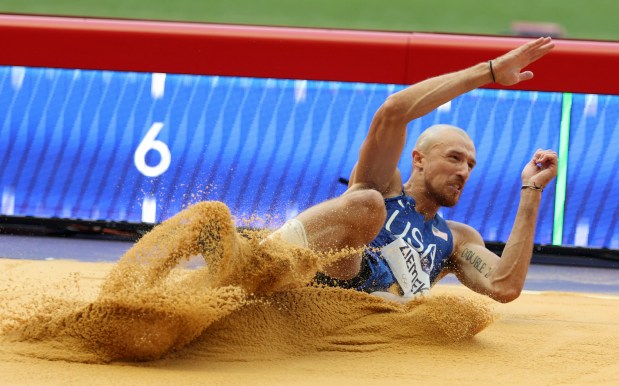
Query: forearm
423	97
510	273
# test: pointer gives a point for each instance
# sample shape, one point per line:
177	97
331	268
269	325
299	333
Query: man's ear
418	159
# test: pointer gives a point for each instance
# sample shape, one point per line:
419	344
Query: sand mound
332	319
194	286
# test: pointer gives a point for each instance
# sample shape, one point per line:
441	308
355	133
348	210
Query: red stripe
295	53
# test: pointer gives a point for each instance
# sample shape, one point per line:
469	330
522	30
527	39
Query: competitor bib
405	265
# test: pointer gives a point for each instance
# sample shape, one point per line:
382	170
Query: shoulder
393	188
464	234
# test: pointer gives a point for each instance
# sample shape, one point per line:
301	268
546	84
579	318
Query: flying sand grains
247	300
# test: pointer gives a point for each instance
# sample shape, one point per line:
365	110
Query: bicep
472	265
381	150
471	261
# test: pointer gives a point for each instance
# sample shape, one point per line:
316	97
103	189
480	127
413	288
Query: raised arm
382	148
503	278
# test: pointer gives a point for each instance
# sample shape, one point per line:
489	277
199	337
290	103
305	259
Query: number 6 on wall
150	143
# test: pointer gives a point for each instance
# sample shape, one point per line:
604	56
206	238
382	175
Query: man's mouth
457	187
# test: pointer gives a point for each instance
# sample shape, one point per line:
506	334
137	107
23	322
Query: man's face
446	167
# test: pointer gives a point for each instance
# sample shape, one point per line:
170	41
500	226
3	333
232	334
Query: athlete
409	246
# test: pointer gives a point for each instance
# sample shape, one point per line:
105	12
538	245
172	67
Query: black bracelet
491	71
532	187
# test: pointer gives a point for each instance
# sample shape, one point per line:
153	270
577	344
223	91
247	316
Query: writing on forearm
488	273
477	262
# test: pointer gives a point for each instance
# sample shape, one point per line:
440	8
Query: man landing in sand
409	246
390	240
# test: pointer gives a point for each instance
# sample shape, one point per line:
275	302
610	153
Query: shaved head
443	159
437	133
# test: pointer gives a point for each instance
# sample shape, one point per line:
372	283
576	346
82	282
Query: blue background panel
592	204
266	147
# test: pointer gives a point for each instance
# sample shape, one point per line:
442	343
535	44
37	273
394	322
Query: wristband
491	71
532	187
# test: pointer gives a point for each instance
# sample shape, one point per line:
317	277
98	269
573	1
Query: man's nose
463	171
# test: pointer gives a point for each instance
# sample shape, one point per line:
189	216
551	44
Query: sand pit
161	315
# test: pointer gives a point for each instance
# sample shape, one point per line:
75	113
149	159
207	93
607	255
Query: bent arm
500	278
503	278
382	148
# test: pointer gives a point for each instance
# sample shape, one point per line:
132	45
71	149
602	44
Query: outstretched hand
541	169
508	68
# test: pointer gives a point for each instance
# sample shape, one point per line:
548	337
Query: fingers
545	158
541	47
543	43
536	156
531	46
534	50
541	169
541	52
538	49
537	42
507	68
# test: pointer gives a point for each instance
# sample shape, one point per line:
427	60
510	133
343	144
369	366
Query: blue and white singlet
431	240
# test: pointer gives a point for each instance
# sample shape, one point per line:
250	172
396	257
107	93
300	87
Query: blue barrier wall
592	204
139	147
